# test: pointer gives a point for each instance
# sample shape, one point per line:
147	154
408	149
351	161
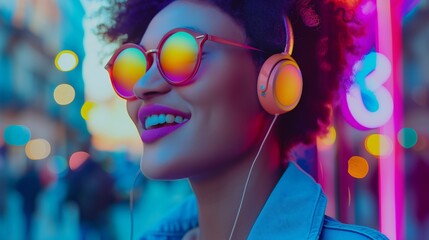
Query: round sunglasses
178	59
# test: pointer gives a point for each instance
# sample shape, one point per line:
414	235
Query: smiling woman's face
221	105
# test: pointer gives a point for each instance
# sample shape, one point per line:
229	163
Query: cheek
226	105
230	79
237	88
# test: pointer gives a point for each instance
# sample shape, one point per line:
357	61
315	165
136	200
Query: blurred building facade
32	33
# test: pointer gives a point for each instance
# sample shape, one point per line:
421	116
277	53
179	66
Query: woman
196	95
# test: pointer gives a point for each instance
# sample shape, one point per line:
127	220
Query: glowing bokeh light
378	145
17	135
407	137
64	94
86	109
66	60
37	149
329	138
77	159
58	165
358	167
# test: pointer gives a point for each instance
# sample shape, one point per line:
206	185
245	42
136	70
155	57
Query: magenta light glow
390	166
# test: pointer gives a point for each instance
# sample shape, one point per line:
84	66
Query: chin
161	170
154	172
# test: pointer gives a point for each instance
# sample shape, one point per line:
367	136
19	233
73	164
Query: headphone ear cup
279	84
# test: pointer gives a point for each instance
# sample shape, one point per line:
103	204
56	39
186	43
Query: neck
219	195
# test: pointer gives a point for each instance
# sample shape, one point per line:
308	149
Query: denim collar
294	210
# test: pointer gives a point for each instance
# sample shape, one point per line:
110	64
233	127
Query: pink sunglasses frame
200	38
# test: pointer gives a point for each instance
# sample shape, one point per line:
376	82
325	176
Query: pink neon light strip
398	118
390	166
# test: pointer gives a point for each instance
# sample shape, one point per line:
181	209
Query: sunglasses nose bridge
152	84
150	51
150	58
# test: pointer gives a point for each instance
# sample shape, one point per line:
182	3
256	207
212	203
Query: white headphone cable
248	176
242	196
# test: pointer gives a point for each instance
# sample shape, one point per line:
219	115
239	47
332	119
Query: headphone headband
289	35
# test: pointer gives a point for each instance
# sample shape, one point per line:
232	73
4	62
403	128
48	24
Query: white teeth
146	123
169	118
178	119
162	119
153	120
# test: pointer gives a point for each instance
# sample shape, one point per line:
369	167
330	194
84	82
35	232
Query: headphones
280	80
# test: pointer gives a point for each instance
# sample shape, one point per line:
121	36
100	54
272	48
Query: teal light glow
17	135
407	137
368	97
58	165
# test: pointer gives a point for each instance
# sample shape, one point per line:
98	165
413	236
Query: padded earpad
279	84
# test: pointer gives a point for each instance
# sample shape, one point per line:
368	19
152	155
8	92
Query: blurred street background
69	153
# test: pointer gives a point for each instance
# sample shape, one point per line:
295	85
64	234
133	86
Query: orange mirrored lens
178	57
129	66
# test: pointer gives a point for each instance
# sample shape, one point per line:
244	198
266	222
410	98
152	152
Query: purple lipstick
159	121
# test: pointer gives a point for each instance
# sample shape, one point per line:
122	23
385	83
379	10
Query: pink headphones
280	80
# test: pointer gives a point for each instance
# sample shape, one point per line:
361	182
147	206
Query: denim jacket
294	210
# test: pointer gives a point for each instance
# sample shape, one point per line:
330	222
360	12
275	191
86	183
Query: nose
151	85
